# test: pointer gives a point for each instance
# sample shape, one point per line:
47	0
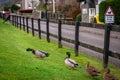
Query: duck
72	64
92	70
108	76
38	53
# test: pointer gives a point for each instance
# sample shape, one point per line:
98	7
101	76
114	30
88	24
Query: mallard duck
92	70
38	53
70	62
108	76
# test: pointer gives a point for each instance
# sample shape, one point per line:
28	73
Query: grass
17	64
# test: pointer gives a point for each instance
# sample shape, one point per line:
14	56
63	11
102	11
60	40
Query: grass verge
17	64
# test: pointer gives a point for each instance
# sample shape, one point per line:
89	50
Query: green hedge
78	17
115	4
14	8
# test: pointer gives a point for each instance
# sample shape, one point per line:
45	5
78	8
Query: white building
89	13
29	4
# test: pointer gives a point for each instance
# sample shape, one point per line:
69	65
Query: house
89	11
29	4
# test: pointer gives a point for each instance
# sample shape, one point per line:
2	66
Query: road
87	35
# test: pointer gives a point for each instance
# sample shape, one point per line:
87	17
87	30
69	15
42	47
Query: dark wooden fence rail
76	42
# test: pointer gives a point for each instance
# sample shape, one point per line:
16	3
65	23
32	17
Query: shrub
78	17
115	7
14	8
6	8
74	12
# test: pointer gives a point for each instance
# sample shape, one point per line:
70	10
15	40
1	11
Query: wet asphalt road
92	36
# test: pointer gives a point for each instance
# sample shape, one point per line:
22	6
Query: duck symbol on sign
109	12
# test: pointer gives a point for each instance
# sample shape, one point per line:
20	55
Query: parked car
4	14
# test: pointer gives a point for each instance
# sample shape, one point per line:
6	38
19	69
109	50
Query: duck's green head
29	49
68	54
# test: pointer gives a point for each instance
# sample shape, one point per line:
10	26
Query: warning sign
109	12
109	15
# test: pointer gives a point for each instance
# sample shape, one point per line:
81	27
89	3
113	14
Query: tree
14	8
91	3
41	6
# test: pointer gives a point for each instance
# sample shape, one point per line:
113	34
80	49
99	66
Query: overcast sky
4	1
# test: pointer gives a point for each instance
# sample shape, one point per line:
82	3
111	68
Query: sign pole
109	19
106	45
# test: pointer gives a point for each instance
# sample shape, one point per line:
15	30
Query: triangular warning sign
109	12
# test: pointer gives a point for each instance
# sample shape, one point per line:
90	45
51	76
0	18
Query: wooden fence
22	23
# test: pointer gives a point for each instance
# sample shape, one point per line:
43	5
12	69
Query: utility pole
46	8
54	6
32	2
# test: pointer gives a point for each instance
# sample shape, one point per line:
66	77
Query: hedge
115	5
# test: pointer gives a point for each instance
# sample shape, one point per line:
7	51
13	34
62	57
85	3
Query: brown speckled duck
38	53
92	70
108	76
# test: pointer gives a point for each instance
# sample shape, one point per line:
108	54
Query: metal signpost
109	18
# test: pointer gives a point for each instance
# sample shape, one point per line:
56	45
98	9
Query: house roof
26	10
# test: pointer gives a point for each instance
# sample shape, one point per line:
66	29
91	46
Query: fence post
59	34
32	21
27	24
3	16
60	16
64	16
12	20
17	21
57	16
106	45
39	28
23	23
0	15
47	29
20	22
77	37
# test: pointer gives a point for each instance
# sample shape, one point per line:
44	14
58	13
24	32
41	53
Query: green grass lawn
17	64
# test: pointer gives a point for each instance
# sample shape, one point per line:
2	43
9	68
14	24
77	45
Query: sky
4	1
